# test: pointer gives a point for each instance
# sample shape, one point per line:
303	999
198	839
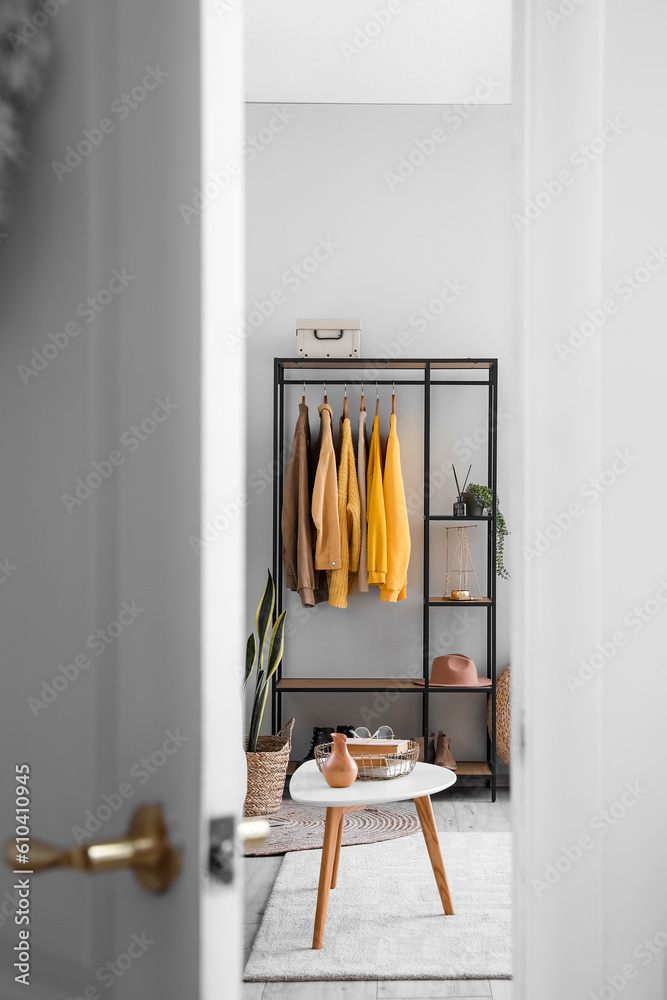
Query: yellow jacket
396	513
343	578
376	543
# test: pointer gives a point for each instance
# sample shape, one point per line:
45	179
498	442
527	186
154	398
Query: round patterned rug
301	828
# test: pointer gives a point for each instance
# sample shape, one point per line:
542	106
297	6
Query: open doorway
395	216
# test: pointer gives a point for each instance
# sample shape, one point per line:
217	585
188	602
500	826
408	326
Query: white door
119	640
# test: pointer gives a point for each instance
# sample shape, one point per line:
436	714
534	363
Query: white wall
592	919
323	177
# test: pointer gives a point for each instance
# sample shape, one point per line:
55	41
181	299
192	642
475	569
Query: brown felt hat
455	670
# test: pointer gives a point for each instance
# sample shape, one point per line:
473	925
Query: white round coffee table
308	786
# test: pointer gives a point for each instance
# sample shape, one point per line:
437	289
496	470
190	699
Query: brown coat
325	498
297	522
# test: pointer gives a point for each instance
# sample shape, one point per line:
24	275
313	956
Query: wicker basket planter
267	770
503	716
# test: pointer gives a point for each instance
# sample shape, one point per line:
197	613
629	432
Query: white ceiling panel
380	52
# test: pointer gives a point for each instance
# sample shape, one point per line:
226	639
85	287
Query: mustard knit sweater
343	579
398	528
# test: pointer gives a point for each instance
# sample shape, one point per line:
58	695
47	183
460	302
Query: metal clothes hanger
303	398
377	400
345	403
393	398
325	392
361	405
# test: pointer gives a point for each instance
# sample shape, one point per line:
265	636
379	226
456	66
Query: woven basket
375	767
503	716
267	770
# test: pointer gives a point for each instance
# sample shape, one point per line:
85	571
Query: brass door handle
145	849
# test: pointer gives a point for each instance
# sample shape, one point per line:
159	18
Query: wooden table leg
427	820
332	825
336	862
333	834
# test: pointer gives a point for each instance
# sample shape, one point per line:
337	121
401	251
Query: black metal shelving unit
282	685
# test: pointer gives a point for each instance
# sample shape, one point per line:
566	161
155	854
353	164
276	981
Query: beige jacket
325	498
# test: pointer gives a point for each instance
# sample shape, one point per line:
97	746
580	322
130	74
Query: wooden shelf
460	689
463	604
472	767
347	684
465	768
459	517
352	684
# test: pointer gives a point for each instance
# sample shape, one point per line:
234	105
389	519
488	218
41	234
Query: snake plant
253	655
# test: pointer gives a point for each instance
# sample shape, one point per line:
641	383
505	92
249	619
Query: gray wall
327	175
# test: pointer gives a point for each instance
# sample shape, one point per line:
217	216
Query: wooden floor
471	812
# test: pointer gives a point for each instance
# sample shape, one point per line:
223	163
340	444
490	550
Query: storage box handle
336	336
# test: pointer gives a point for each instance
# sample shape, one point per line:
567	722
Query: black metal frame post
426	621
277	471
490	578
492	446
275	693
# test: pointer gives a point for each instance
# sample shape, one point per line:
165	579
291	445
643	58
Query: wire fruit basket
376	767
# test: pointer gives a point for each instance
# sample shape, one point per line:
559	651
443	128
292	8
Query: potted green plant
479	501
267	757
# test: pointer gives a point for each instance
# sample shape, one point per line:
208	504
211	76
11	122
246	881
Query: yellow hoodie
376	543
396	513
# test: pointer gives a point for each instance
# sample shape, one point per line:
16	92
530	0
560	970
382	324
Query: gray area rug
385	919
301	828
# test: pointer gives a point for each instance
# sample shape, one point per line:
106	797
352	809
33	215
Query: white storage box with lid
328	338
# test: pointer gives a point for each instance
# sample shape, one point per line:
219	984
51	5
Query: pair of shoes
322	734
348	730
430	753
443	754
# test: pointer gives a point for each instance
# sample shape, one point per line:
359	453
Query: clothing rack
428	382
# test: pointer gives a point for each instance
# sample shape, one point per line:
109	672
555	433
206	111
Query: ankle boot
444	756
321	734
347	730
431	748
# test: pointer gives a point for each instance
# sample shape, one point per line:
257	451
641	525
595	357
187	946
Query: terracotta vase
340	769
